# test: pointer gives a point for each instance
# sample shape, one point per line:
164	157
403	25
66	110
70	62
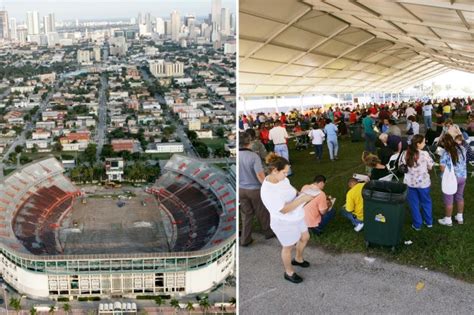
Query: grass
449	250
214	143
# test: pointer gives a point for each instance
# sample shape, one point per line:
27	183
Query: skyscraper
52	22
46	24
159	26
175	25
32	22
225	21
216	11
4	33
13	32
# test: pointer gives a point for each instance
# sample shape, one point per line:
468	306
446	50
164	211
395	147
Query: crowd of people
401	140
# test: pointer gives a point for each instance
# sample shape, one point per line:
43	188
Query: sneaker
359	227
415	228
293	278
303	264
445	221
428	225
459	218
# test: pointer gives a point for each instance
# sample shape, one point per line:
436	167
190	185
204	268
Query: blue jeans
370	139
282	150
325	218
333	147
417	197
349	215
428	121
318	151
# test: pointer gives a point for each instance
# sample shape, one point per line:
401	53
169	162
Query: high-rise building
167	27
46	24
216	11
148	23
32	22
189	20
13	32
159	26
175	25
4	27
225	21
232	22
167	69
52	23
83	56
96	54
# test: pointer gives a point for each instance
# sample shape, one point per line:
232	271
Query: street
102	126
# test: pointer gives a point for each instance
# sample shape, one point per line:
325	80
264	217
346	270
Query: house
40	134
156	147
129	145
114	169
75	141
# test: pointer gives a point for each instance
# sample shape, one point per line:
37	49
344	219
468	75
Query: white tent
290	47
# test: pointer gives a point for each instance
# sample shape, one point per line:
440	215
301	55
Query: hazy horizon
108	9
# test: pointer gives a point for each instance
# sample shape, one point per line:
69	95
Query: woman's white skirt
288	232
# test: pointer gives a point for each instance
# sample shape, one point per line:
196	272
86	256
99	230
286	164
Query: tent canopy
348	46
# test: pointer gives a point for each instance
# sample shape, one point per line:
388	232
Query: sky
455	78
109	9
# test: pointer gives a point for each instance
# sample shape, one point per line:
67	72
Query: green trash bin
356	132
384	212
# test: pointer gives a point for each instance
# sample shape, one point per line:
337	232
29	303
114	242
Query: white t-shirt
410	112
278	135
275	196
415	126
317	136
427	110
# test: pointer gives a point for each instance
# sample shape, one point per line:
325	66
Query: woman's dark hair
275	162
319	179
251	133
412	151
451	147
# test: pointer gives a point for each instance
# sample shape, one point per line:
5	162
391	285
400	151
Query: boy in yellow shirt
354	207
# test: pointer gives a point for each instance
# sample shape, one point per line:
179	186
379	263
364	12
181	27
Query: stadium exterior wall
177	274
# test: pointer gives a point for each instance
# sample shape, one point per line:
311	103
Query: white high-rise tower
32	22
216	11
225	21
175	25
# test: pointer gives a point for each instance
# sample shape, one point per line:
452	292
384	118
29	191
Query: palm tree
189	307
33	311
204	304
52	309
66	308
175	304
232	301
15	304
159	301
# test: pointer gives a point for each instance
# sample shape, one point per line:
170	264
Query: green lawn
214	143
450	250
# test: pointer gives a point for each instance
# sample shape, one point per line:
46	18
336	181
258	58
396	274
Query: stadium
174	238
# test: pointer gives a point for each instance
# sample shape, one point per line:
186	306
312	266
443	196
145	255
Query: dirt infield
106	225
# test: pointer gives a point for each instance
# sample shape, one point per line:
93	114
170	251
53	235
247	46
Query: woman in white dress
286	214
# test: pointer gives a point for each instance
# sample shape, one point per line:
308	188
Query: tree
175	304
33	310
90	153
192	135
15	304
220	132
204	304
66	308
189	307
233	301
159	301
58	146
52	309
19	149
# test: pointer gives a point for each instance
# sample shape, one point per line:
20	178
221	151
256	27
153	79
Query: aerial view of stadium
59	240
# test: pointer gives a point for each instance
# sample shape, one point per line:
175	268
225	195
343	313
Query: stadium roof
346	46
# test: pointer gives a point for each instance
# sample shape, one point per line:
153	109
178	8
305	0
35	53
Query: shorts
288	233
458	196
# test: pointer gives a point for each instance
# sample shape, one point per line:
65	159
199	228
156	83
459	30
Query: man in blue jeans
331	134
279	136
369	134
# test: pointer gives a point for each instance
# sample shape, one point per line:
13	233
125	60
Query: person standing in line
419	163
251	176
286	214
454	156
413	128
279	136
427	115
317	138
331	133
369	133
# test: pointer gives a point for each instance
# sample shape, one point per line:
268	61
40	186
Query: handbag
449	183
410	131
402	167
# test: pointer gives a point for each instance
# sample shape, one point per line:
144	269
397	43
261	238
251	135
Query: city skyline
109	9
